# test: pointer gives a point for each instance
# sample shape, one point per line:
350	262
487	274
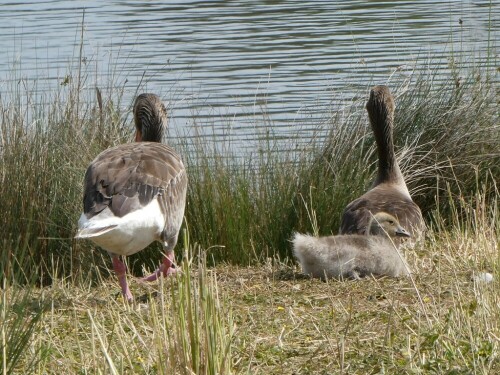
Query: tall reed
443	134
243	208
47	141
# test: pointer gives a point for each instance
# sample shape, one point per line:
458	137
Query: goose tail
94	232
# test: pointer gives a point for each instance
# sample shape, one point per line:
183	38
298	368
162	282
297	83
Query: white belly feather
124	235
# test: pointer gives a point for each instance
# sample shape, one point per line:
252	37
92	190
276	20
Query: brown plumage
354	255
389	192
135	193
127	177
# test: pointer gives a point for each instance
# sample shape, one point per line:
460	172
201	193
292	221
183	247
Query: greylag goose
354	255
135	194
389	192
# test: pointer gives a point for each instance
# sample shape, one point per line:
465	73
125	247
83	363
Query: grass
180	325
270	319
241	305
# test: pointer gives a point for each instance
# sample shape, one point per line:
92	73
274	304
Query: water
241	66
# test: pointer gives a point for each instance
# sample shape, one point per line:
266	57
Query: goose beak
402	232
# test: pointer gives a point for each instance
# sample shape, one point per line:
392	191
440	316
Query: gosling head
384	224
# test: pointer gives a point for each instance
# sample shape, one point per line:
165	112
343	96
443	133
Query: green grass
249	310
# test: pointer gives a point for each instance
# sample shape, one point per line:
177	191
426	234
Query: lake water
236	66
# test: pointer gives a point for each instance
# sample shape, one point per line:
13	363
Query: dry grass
272	319
294	325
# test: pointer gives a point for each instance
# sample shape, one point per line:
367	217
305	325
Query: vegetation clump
250	310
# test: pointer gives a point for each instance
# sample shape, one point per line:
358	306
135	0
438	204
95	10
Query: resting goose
135	194
389	192
354	255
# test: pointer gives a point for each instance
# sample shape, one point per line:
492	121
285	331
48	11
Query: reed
243	208
257	202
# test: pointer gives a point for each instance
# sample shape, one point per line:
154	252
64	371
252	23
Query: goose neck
380	108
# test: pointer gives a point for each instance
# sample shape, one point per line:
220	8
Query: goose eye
391	222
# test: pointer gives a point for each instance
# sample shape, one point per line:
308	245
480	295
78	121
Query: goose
389	192
353	255
135	194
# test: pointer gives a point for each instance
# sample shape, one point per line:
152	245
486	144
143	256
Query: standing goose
353	256
135	194
389	192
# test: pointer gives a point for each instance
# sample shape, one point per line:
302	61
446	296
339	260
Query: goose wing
357	214
127	177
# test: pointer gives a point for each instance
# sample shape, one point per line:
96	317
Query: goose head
150	117
384	224
380	108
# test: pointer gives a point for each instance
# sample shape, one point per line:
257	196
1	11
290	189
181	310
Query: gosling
353	256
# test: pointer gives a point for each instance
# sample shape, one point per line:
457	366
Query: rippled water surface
224	63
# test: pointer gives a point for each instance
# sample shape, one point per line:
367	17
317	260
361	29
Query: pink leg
166	268
121	270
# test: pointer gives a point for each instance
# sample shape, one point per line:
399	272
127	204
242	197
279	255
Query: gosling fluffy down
353	256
